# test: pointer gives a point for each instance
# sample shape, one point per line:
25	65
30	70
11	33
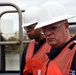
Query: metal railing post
20	23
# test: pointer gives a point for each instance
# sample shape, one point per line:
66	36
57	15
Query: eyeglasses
52	28
30	27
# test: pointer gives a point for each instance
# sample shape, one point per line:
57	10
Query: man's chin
52	43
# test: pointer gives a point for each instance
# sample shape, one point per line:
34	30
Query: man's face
55	33
31	32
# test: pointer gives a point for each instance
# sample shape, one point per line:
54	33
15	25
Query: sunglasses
30	27
52	28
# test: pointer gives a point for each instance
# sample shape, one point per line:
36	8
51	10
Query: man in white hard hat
53	21
34	49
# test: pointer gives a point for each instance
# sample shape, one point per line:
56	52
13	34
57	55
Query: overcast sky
24	4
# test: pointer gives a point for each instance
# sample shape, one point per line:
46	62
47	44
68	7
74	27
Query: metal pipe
10	11
13	42
20	28
20	23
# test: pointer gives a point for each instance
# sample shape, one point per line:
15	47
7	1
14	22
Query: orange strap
41	53
30	50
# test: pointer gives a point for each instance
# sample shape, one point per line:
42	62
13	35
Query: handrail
13	42
10	11
20	23
20	28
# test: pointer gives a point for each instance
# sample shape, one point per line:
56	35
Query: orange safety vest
35	62
62	63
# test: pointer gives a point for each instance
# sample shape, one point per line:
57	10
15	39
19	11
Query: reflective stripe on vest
62	63
35	62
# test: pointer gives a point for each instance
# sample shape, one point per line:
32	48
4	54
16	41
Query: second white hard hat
51	12
30	16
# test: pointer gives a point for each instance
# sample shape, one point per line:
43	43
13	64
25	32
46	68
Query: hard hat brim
57	19
28	24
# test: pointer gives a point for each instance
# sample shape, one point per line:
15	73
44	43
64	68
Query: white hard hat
30	16
51	12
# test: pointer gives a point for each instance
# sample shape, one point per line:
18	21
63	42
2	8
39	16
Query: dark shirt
36	48
54	52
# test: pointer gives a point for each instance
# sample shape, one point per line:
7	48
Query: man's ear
40	30
67	25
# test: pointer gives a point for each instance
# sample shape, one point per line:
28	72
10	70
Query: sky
24	4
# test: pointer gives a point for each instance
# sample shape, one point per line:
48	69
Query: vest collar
54	52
